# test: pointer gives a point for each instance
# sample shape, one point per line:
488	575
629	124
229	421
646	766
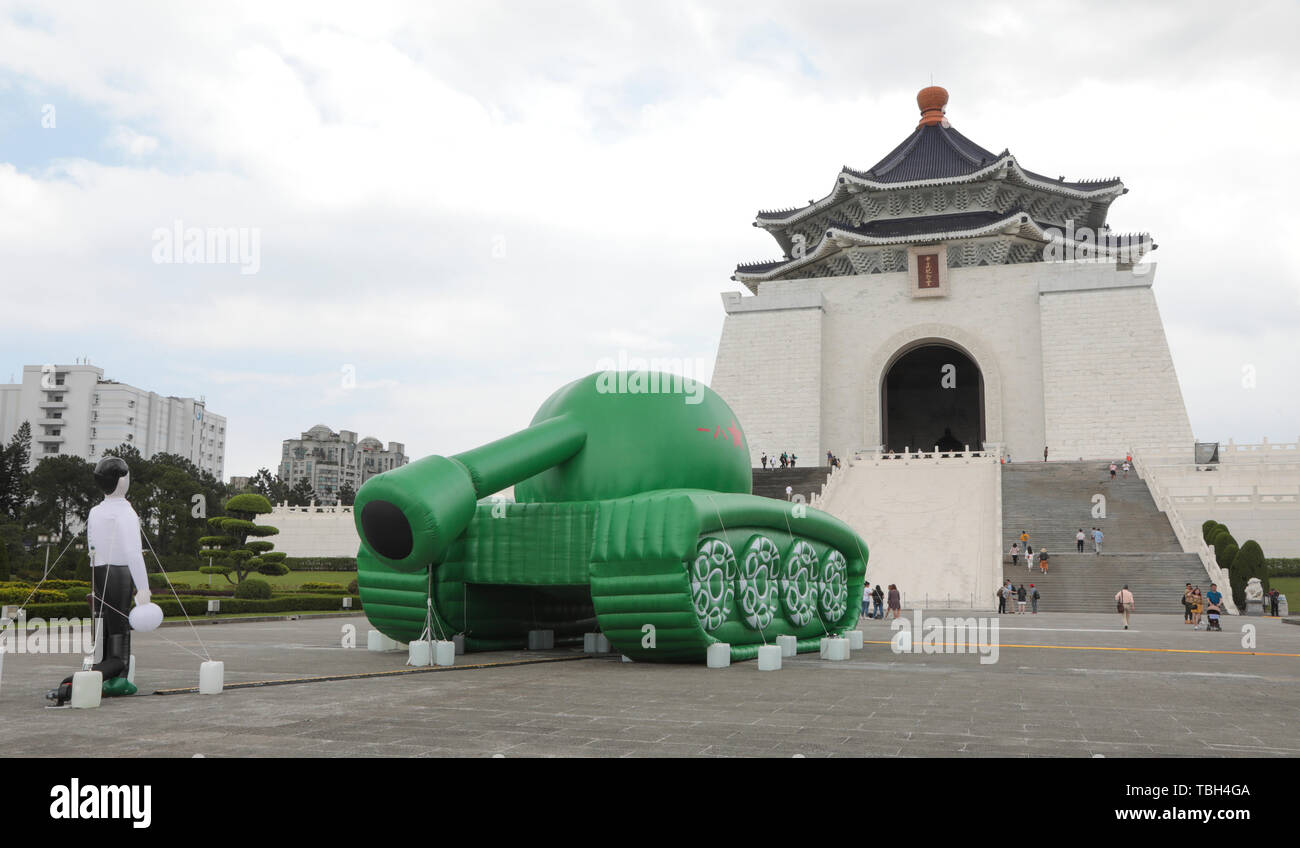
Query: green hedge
321	563
1283	567
38	596
324	588
199	607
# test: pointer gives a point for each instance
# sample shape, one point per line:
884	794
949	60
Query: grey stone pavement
1045	699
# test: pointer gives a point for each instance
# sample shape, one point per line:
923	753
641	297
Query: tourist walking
878	598
1021	595
1024	540
1042	560
1033	597
1078	540
789	493
1124	604
1112	471
1015	553
1273	596
866	600
1097	537
1044	453
895	600
1187	604
1196	608
1001	595
792	460
764	461
1125	470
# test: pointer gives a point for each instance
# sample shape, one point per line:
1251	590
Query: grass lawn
292	580
1289	586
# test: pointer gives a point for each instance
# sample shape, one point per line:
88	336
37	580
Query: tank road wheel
834	597
760	571
713	588
799	583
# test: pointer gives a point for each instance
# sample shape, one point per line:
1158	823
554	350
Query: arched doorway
932	394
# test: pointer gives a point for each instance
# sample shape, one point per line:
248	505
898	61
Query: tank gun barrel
409	517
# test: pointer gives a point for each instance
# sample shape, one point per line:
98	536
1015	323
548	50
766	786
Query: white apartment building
73	410
328	460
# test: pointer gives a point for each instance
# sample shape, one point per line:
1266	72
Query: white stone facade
932	525
1057	345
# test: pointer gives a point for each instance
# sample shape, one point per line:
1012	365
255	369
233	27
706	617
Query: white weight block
837	649
130	670
822	646
541	640
419	653
376	641
87	689
459	641
789	645
769	658
589	643
212	677
718	655
626	658
602	644
444	653
855	639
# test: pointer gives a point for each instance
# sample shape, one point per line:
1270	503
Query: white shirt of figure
113	533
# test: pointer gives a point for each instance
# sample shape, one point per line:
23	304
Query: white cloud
470	197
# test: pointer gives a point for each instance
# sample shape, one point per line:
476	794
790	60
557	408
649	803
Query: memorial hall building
949	296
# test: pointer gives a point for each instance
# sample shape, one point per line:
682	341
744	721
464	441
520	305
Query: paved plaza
1064	685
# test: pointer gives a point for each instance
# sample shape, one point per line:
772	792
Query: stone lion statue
1254	590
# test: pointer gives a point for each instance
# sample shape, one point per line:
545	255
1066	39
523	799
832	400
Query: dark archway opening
932	395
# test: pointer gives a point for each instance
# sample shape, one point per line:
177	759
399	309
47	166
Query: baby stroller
1212	618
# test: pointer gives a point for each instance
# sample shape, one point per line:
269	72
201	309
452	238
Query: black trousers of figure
111	603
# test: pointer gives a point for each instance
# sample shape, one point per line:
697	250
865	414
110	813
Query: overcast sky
470	204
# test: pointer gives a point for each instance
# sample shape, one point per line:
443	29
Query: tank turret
632	508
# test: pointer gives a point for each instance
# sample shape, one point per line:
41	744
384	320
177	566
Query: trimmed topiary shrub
1208	529
352	588
1248	563
253	588
1225	549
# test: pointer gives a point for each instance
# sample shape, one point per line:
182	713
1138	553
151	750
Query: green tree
15	479
1248	563
347	495
302	494
232	551
269	486
1209	529
63	491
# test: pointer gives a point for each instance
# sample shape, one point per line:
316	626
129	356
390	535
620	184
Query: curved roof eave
847	176
830	243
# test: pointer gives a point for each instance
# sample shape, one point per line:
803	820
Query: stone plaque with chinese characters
927	270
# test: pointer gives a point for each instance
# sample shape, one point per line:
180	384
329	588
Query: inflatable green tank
632	516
